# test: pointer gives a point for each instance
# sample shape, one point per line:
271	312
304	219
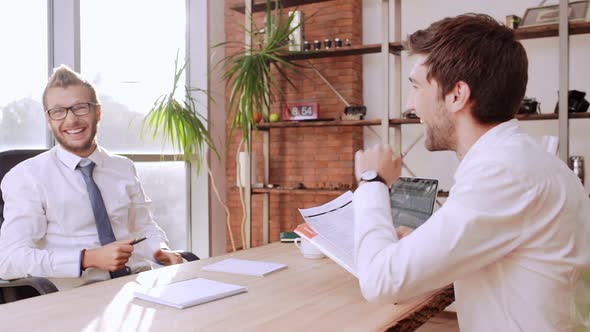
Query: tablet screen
412	201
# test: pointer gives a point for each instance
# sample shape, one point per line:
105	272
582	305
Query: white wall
543	76
217	117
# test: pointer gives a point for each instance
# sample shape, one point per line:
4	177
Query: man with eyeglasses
73	212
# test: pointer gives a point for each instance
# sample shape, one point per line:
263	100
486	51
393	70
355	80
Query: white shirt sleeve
481	221
24	227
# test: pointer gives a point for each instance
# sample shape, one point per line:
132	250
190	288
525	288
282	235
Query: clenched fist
379	158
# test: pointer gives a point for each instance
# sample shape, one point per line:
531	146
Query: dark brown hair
476	49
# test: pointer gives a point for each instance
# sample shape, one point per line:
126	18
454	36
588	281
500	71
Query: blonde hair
64	77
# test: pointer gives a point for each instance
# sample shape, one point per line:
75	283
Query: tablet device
412	201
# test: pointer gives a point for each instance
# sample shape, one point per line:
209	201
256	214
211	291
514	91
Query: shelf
299	191
551	116
520	117
440	193
401	121
260	7
328	123
543	31
551	30
394	48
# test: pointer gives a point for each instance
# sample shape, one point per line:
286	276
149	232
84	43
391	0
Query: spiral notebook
188	293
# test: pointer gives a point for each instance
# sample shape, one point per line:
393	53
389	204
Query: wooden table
310	295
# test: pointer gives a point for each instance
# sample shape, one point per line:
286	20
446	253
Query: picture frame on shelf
300	111
537	16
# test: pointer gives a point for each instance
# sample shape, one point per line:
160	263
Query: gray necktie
103	224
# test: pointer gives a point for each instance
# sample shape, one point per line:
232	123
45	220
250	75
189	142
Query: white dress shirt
513	236
49	218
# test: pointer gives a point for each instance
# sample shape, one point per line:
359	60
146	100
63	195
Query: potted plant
254	74
250	71
180	123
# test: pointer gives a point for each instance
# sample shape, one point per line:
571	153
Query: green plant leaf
253	86
180	123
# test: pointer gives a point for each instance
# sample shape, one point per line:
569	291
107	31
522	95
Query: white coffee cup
307	249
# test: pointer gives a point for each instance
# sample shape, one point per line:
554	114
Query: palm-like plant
250	70
180	122
182	125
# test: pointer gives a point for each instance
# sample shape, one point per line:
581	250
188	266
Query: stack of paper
188	293
244	266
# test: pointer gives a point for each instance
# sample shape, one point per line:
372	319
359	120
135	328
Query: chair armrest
25	287
41	285
189	256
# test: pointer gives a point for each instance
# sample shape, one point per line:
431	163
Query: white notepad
188	293
245	266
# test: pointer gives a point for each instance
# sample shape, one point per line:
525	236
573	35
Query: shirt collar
71	160
498	133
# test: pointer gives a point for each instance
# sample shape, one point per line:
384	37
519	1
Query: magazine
330	227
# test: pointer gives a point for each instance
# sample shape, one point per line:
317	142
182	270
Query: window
127	51
24	73
165	184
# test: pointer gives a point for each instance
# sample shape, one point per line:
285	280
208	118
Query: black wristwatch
371	176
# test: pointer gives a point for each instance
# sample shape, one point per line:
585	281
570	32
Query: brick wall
315	157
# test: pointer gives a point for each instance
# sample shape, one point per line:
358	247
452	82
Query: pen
136	241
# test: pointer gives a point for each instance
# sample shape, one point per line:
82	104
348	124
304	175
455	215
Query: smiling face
76	134
425	99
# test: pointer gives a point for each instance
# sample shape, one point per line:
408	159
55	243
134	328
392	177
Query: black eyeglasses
60	113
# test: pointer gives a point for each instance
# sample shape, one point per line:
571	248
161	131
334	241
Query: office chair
18	289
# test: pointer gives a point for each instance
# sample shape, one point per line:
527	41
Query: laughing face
76	134
425	99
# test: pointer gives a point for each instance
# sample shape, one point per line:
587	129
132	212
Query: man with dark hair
514	235
72	213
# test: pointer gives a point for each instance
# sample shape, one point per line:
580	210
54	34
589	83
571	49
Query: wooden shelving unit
387	48
575	28
521	117
261	6
542	31
394	48
306	191
328	123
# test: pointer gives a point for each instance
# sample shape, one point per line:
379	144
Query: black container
317	44
328	44
338	42
528	106
306	46
575	102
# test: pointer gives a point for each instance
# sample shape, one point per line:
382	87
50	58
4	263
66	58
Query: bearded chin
440	138
81	148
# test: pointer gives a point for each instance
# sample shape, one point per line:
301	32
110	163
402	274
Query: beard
80	147
441	134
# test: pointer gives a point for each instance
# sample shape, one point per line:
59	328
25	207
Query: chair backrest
9	159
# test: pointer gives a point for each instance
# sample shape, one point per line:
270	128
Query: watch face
369	175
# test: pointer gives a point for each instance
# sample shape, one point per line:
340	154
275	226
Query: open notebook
188	293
